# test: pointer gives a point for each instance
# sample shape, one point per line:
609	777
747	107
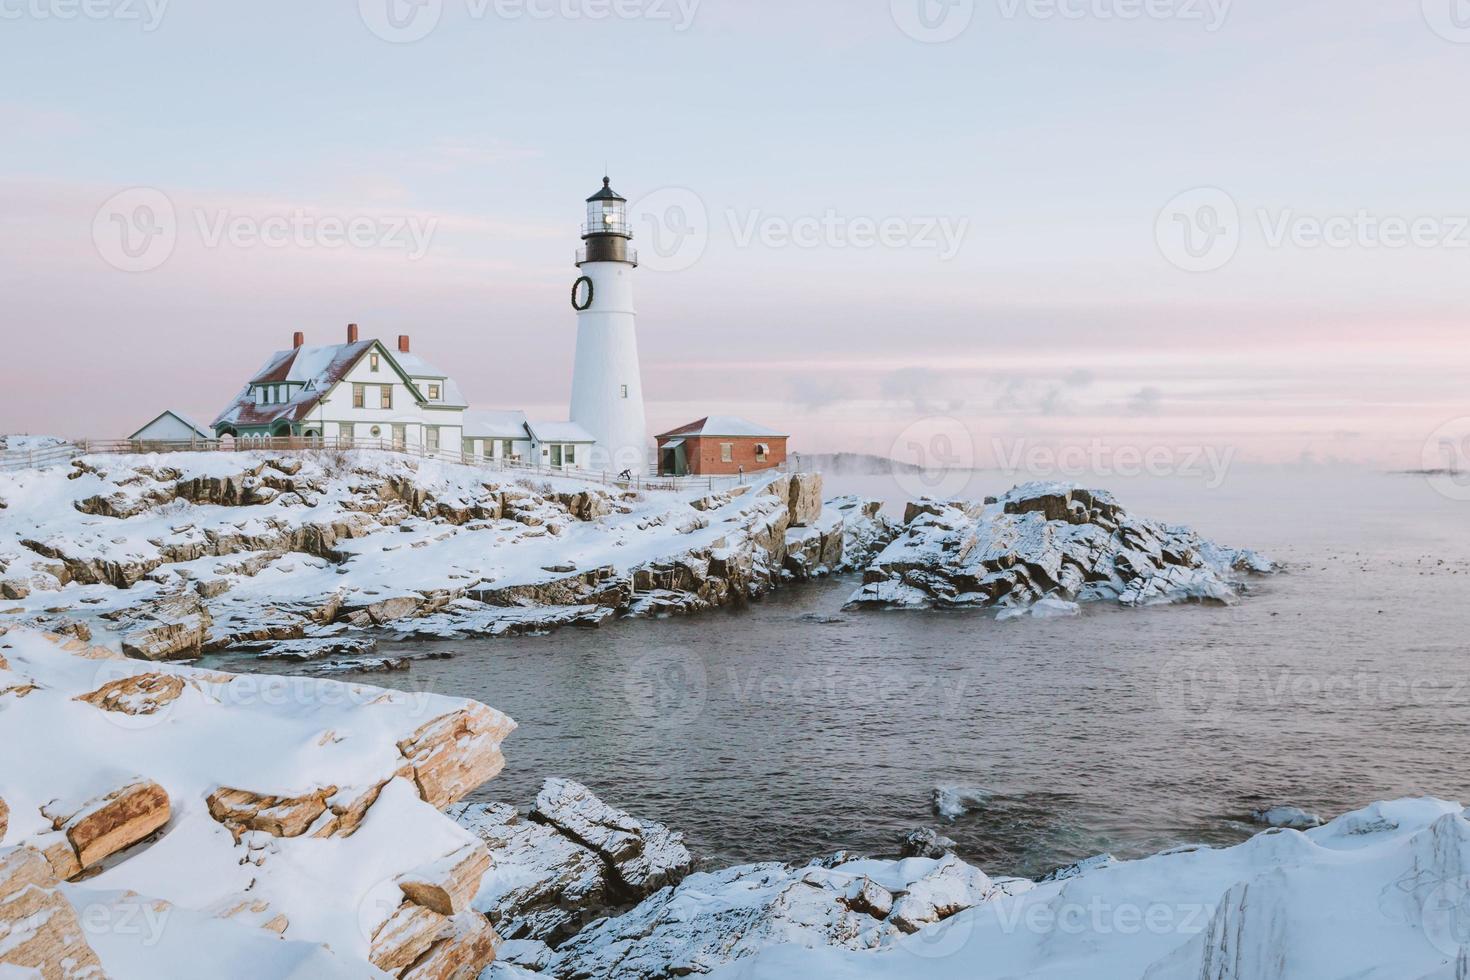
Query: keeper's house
720	445
359	392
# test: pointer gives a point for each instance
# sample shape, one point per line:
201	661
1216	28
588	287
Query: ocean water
791	729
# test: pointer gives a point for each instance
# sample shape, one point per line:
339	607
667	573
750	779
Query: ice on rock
1286	816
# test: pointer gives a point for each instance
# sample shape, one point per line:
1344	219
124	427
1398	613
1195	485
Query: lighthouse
607	385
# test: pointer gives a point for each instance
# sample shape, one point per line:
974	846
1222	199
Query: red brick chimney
352	333
299	340
403	343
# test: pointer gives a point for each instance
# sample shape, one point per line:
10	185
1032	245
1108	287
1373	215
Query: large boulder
100	827
39	930
453	754
543	885
173	628
643	856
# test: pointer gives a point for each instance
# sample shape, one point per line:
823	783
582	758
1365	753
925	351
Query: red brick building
720	445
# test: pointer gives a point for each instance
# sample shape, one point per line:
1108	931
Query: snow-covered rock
573	859
866	530
1042	548
643	856
171	555
292	808
718	917
1382	892
1286	816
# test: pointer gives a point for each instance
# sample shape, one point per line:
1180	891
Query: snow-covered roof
317	370
724	425
418	368
186	420
495	425
559	432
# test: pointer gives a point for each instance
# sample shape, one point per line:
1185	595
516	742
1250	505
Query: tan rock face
38	928
108	824
462	955
805	499
171	629
453	754
406	936
280	816
60	856
144	694
448	885
322	813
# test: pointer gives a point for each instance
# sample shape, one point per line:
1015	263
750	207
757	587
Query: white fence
57	455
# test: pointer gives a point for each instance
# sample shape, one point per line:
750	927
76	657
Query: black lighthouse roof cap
607	193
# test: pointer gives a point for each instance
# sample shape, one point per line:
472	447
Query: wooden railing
62	454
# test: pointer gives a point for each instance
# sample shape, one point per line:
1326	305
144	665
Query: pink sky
1058	320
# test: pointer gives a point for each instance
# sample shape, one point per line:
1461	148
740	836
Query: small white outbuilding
172	426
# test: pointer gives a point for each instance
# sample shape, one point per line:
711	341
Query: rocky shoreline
161	820
315	556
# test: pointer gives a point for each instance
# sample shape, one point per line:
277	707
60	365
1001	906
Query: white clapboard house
363	393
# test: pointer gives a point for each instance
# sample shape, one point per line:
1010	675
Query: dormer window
434	393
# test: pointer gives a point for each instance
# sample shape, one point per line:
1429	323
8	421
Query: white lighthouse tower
607	385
